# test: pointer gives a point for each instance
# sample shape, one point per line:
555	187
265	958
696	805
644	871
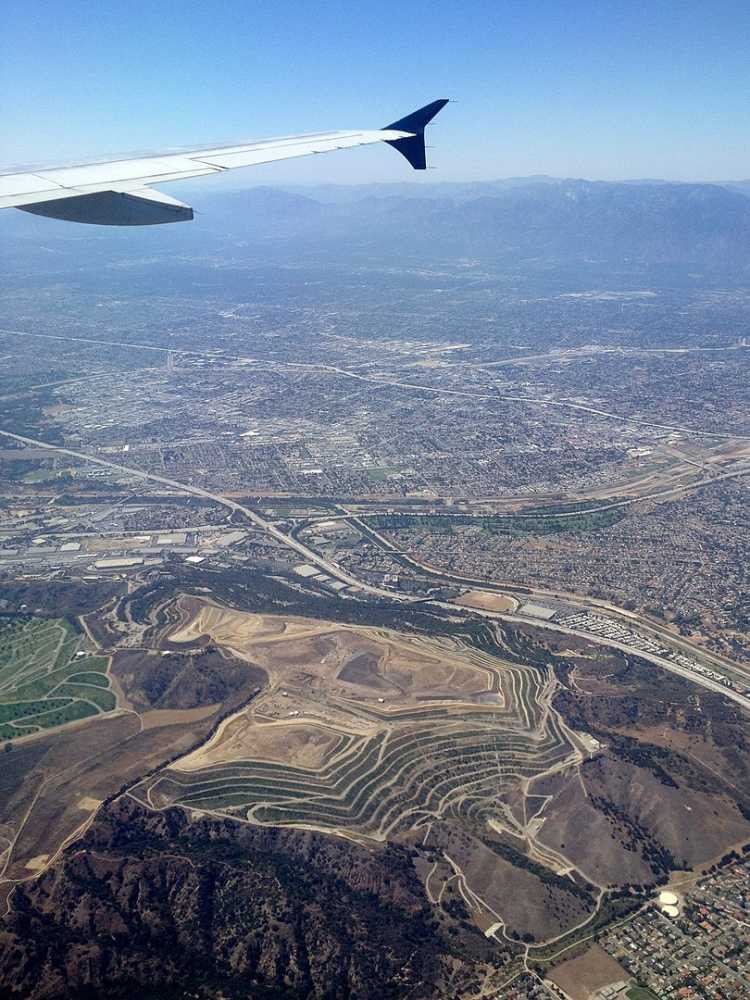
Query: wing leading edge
117	193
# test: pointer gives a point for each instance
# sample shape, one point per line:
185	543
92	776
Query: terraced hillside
403	777
378	736
47	678
528	786
523	817
399	731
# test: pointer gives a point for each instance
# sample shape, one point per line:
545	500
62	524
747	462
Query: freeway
643	623
585	353
498	397
307	554
670	491
338	372
675	668
332	569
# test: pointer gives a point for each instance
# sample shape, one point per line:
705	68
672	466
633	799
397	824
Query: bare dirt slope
581	977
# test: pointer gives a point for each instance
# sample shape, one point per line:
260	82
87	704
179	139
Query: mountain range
704	226
699	230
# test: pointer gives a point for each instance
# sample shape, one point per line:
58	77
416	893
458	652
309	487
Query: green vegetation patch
515	525
96	680
103	700
48	475
25	709
641	993
379	474
43	682
52	715
87	663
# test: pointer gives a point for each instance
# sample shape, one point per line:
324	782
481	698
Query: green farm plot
43	682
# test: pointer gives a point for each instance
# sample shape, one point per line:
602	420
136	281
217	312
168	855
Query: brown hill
159	904
153	680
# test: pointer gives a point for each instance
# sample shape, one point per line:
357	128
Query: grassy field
46	475
641	993
45	680
378	475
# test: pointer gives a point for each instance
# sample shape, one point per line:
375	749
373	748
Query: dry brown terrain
487	882
472	762
46	781
338	697
341	696
487	601
581	977
297	743
177	717
53	799
350	662
54	782
613	805
573	825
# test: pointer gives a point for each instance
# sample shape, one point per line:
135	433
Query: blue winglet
412	147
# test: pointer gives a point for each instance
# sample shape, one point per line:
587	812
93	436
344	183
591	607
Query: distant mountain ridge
695	225
698	231
742	186
464	190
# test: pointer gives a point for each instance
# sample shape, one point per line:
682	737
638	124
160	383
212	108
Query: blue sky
602	90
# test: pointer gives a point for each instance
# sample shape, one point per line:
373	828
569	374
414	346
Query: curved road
334	570
307	554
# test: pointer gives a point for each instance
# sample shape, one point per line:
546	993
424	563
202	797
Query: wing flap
17	189
15	185
289	148
94	174
58	193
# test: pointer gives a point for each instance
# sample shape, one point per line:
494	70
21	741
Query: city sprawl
385	580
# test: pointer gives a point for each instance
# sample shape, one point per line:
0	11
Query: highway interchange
309	555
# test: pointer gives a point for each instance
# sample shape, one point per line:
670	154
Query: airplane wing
117	193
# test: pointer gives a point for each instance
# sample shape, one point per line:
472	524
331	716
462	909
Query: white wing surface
117	193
